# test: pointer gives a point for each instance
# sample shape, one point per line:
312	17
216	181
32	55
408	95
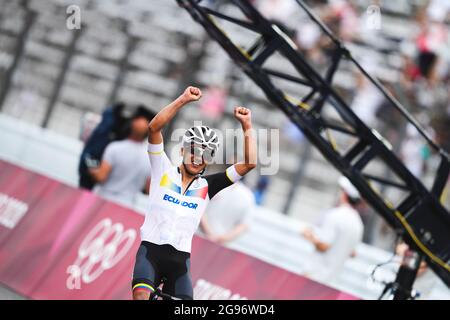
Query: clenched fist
243	115
191	94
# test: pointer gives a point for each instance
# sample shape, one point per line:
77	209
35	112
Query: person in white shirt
226	219
425	281
124	171
335	240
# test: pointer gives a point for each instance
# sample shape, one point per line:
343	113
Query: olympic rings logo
102	248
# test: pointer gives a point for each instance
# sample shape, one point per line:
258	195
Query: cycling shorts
155	263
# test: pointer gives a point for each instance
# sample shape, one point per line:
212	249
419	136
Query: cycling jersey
174	216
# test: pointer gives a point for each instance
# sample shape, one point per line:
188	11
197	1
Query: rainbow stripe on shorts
143	287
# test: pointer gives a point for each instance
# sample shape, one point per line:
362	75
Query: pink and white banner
58	242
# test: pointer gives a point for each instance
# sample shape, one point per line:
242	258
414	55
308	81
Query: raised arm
168	112
244	116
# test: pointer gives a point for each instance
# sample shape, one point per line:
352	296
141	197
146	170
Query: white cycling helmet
204	137
349	188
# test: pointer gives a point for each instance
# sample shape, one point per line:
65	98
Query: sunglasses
203	153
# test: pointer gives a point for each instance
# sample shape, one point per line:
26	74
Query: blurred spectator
414	152
213	102
261	189
366	101
124	170
389	121
308	35
346	16
426	62
277	10
292	133
228	214
105	132
438	10
425	280
336	238
442	123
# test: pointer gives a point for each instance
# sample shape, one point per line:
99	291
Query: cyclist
178	197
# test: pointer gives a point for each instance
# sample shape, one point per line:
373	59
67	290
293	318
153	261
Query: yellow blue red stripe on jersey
166	182
201	193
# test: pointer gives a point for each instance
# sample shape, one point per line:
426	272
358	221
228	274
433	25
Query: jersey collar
181	180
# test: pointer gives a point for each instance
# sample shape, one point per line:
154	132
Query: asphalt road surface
8	294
